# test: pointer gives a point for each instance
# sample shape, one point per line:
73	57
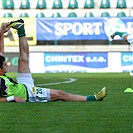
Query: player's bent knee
61	93
57	95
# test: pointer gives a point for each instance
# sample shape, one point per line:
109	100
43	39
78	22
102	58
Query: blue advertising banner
81	28
85	59
126	58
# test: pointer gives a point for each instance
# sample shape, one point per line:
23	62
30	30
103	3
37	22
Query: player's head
2	59
3	65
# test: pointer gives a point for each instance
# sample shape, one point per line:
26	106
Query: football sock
121	34
90	98
21	31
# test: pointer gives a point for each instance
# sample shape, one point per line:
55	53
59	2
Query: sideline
69	80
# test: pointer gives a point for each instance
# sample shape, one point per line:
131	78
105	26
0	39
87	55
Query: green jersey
11	88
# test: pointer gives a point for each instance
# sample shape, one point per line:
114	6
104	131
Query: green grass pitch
113	115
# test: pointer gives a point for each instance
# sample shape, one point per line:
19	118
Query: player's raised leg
121	34
23	62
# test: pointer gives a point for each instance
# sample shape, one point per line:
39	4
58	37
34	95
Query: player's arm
12	98
1	43
125	37
3	29
3	99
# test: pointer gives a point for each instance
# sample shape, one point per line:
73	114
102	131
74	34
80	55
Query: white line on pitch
69	80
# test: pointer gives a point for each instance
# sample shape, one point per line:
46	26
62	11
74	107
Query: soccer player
24	89
125	36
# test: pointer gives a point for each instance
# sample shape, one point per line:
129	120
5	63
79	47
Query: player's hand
19	99
4	28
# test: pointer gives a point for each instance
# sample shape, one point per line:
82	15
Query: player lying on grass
24	90
125	36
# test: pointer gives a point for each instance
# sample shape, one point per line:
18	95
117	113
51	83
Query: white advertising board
81	62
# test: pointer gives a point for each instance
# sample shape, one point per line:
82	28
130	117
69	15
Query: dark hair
2	59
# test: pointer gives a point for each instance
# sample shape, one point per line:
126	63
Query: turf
113	115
